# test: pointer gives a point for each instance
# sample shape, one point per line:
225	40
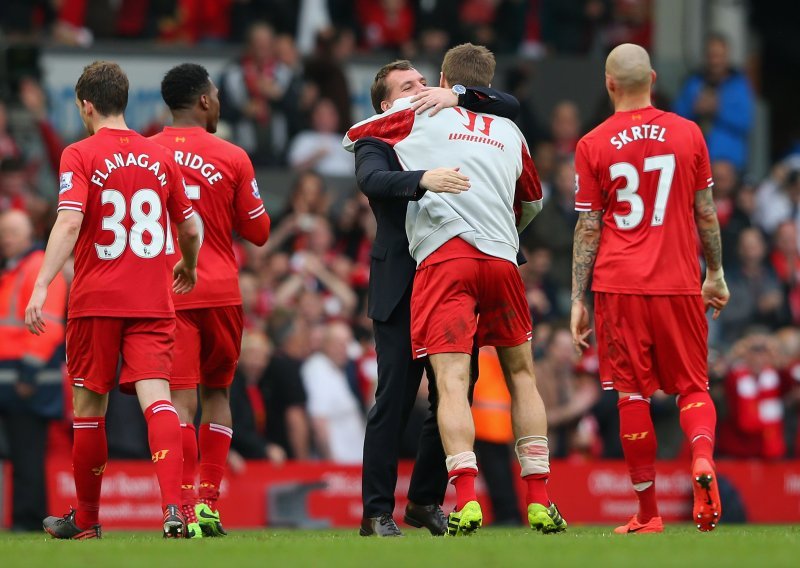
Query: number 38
143	223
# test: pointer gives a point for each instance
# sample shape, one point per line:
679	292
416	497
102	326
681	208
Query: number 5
665	165
193	193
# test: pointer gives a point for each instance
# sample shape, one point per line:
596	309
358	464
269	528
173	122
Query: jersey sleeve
178	204
73	184
588	195
704	180
391	127
252	221
527	193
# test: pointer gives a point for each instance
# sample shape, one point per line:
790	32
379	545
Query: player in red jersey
116	189
221	182
644	174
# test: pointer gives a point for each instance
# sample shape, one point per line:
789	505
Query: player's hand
185	278
715	293
444	180
579	325
435	98
34	319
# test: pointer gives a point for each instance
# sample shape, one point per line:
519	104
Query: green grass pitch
680	545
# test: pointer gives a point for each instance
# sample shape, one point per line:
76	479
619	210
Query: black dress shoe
429	516
383	525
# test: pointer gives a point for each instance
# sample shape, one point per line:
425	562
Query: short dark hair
379	86
468	64
105	85
184	84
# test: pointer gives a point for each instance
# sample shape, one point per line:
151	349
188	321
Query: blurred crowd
308	368
409	27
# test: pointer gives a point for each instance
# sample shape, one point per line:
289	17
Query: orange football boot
707	510
654	525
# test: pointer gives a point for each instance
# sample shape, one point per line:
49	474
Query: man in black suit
389	189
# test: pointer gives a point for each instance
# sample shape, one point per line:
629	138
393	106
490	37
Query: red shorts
458	300
207	347
646	343
94	346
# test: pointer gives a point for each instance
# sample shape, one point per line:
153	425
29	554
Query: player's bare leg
215	442
164	435
529	422
89	457
185	401
452	371
638	438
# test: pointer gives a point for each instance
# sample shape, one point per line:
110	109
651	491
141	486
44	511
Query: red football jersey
642	169
221	183
125	185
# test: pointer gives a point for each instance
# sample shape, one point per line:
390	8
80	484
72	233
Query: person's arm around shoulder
477	99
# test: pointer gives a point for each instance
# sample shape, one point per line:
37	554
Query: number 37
665	165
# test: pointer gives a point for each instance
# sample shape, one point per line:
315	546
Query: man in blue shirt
719	99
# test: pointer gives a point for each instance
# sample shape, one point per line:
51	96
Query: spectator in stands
336	416
249	89
719	99
248	409
565	128
44	145
631	22
555	228
320	148
731	218
292	109
788	340
22	20
316	273
437	29
325	74
778	196
8	147
759	298
520	83
753	419
570	27
287	423
541	291
30	367
785	260
386	24
307	201
567	396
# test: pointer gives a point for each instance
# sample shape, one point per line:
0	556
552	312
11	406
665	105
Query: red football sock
164	435
698	422
639	446
464	482
537	489
188	491
215	441
89	457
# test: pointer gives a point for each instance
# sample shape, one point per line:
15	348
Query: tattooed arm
584	253
715	290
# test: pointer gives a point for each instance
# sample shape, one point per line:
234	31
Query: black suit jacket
389	189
